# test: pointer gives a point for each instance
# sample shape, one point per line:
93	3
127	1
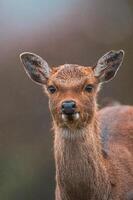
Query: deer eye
89	88
51	89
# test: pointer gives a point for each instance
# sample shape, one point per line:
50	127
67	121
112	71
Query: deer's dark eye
89	88
51	89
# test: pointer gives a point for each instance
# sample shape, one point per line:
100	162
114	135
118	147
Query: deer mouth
70	117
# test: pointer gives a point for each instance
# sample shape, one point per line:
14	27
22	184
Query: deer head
72	89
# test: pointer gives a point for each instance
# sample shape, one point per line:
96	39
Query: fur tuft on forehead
70	71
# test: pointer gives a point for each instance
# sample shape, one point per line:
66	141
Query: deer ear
36	68
108	65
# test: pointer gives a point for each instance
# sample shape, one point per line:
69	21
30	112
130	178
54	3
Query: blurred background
61	31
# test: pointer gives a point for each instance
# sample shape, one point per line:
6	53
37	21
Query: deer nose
68	107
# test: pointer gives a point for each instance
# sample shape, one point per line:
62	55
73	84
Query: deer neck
80	166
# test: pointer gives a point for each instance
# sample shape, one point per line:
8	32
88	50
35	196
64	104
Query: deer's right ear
36	68
108	65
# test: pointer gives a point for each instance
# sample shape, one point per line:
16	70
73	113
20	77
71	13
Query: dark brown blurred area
61	32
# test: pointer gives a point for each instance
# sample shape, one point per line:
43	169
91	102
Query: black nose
68	107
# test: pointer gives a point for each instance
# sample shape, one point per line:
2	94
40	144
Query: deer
93	148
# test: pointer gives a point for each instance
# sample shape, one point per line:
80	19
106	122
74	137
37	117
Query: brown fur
93	154
85	167
91	165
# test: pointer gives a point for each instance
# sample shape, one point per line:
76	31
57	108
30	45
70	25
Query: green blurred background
61	31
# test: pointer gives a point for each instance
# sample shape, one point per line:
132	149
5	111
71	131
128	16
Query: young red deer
93	149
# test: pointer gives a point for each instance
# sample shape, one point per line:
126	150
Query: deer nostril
68	107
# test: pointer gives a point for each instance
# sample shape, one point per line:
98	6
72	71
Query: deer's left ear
36	68
108	65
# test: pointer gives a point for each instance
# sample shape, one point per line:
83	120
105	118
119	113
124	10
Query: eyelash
51	89
89	88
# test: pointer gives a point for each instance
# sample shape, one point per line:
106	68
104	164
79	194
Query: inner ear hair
36	68
108	65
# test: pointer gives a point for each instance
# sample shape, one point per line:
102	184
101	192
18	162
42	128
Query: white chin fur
64	117
75	116
67	133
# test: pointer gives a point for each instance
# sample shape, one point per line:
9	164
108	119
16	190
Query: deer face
72	89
